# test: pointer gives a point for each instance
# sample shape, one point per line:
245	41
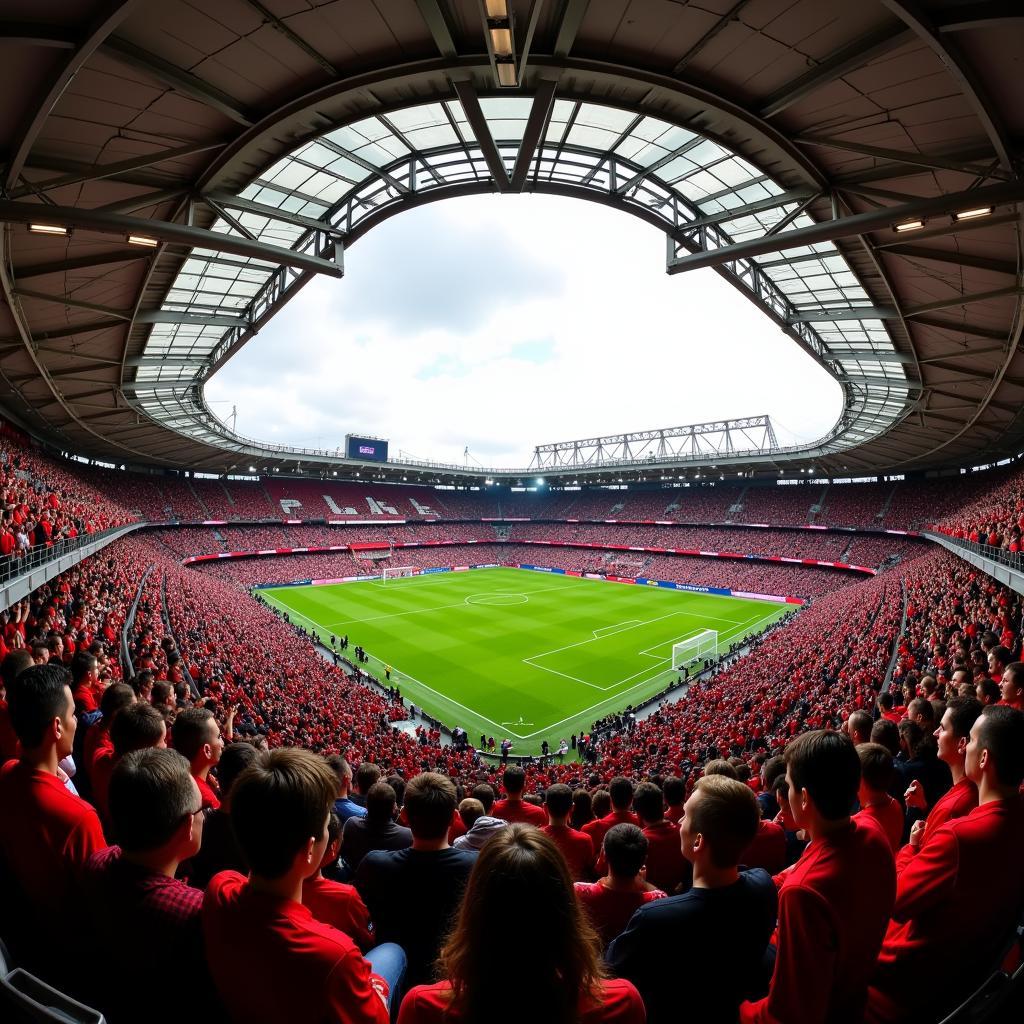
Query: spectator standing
877	807
131	891
620	790
958	900
711	940
611	900
344	806
336	903
667	868
576	846
269	957
430	872
513	808
377	830
835	902
197	738
479	826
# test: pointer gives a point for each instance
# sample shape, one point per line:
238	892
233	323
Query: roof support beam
430	11
296	40
963	300
97	172
164	231
181	81
856	355
26	33
839	63
934	162
475	115
221	200
948	51
232	220
111	15
535	125
847	313
661	162
960	259
144	201
361	162
68	301
719	26
769	203
169	316
968	329
568	29
847	227
69	332
80	263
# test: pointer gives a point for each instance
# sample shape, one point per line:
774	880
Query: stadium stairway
816	508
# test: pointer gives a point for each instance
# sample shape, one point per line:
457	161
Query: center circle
499	600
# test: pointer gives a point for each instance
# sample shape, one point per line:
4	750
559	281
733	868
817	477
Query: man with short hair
1011	686
667	868
197	738
485	794
674	790
877	807
998	658
365	776
134	727
620	790
131	891
344	806
921	712
430	876
958	900
377	830
479	827
611	901
952	736
835	902
46	832
269	957
85	682
13	663
576	846
858	726
678	943
513	808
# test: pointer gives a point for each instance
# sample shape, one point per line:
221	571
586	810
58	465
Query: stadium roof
854	169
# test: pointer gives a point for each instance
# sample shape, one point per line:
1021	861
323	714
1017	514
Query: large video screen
370	448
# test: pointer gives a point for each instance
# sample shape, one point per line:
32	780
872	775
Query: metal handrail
1011	559
12	567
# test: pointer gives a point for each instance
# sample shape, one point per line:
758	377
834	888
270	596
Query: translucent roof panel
357	170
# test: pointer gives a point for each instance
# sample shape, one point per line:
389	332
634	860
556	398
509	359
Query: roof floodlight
908	225
496	8
143	240
501	40
48	229
980	211
507	77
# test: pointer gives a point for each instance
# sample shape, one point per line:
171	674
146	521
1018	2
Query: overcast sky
503	322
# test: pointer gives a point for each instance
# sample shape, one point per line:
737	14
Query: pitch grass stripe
462	661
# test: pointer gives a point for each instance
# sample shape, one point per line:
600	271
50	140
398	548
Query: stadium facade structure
853	169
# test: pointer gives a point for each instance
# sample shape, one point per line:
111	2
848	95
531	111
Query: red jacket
599	826
956	903
834	906
954	803
519	811
666	865
576	847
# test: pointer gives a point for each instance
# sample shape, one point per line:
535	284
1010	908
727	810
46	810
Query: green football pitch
517	653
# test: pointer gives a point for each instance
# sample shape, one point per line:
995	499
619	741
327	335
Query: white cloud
505	322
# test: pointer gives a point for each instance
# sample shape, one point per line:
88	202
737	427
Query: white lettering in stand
289	505
424	510
334	507
378	508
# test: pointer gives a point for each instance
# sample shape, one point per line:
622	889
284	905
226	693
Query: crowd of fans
272	827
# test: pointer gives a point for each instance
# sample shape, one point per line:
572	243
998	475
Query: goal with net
398	572
701	647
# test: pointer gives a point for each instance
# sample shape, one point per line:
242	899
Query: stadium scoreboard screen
372	449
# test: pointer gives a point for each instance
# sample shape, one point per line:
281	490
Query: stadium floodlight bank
702	647
398	572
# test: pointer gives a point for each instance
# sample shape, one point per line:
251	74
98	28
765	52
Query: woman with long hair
547	968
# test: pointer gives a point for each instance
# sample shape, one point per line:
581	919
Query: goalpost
702	647
398	572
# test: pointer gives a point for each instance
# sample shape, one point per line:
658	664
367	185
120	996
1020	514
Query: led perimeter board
372	449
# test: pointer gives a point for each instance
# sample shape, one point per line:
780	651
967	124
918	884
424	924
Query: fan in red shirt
576	847
336	903
674	790
513	808
1011	685
878	808
520	879
959	899
197	738
621	792
46	832
835	902
269	957
667	868
136	727
952	737
611	901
